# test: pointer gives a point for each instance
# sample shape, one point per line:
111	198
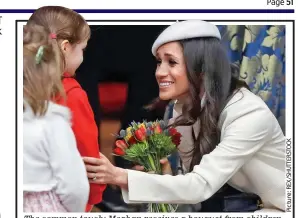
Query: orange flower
157	129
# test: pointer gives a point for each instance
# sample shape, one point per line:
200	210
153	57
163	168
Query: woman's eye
158	62
172	62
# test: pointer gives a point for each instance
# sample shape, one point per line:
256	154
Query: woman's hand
102	171
166	167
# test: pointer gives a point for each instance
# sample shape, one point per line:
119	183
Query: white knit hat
185	30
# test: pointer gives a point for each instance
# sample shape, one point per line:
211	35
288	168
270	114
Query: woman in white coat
229	134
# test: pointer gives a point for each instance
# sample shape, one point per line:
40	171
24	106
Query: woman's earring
203	100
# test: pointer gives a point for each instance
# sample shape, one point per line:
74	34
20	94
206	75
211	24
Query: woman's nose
161	71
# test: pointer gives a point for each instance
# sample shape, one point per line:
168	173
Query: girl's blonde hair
42	66
65	23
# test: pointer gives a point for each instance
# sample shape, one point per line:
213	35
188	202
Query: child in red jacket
84	128
70	32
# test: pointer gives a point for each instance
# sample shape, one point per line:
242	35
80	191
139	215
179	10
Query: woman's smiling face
171	72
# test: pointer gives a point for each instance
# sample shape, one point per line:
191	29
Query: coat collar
53	110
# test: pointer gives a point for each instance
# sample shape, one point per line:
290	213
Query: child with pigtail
54	176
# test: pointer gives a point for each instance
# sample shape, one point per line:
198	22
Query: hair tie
53	36
39	54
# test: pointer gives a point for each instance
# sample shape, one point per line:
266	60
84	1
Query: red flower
121	144
176	136
143	130
157	129
132	140
140	135
176	139
119	151
172	131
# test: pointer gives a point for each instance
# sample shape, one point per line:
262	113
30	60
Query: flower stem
151	161
163	208
154	168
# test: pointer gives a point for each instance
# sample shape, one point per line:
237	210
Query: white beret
185	30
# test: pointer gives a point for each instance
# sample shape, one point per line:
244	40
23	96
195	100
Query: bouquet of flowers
146	144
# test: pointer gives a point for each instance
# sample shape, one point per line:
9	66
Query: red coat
84	128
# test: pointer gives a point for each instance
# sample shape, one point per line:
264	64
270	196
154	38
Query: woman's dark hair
207	57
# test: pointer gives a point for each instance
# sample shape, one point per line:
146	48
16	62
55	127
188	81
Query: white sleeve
67	165
241	139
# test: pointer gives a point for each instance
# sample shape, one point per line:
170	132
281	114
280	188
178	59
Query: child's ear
65	45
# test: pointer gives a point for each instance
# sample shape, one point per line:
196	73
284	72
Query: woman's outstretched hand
102	171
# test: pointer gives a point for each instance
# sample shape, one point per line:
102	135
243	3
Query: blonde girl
54	176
